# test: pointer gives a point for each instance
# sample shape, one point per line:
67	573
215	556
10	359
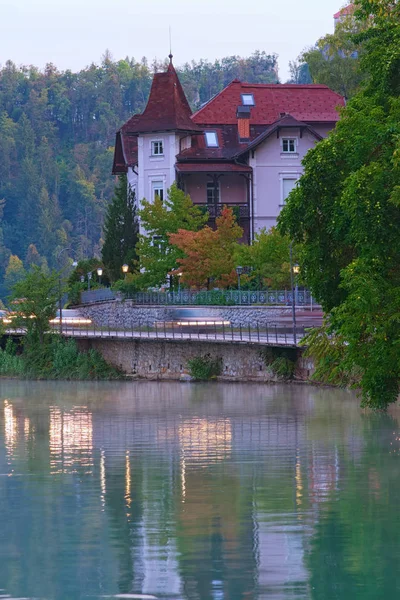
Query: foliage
11	365
299	72
60	359
120	230
345	214
269	258
68	363
157	255
204	367
57	131
209	255
328	351
281	361
15	272
335	59
34	300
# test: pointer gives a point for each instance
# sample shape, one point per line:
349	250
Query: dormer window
211	139
248	100
289	145
157	148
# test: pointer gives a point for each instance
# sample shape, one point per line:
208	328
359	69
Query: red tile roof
212	168
344	12
167	107
310	103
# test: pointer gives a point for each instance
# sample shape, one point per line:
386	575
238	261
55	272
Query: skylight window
248	99
211	139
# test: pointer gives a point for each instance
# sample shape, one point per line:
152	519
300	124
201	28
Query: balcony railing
241	211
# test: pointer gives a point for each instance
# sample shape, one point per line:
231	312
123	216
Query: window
211	139
212	193
157	190
157	148
288	145
248	99
287	186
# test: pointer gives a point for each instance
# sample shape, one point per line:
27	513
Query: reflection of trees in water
215	535
354	552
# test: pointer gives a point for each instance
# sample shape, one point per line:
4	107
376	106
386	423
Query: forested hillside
56	145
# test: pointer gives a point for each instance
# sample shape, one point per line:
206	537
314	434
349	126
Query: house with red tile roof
243	148
344	12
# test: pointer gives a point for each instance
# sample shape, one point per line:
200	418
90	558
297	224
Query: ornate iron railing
226	297
216	298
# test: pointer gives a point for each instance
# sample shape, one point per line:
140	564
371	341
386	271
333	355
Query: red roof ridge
346	10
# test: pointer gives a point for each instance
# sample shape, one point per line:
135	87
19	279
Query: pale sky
74	33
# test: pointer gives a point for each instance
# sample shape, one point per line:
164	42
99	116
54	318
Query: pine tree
120	230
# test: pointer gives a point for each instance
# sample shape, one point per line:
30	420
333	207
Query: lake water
196	491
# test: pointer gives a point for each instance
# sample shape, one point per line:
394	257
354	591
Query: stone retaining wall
126	313
162	359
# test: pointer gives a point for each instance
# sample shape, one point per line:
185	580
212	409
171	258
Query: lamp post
179	282
125	269
99	274
293	294
239	271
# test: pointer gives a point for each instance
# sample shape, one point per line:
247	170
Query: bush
281	361
205	367
56	359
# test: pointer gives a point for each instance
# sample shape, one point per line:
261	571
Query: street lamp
125	269
99	274
239	271
179	282
292	271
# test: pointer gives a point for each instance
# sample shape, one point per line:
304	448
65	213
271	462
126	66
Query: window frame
208	144
244	103
153	146
210	187
289	140
287	177
157	184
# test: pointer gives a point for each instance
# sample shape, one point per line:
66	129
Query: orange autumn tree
209	254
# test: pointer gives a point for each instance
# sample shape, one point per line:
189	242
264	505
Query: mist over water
196	491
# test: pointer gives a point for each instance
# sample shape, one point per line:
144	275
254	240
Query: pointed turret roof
167	108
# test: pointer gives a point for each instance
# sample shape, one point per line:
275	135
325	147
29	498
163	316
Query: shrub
205	367
281	361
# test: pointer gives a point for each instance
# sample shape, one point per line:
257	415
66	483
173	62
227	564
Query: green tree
14	272
269	258
157	255
34	299
335	59
345	214
120	230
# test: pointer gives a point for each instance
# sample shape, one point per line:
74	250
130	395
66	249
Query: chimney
243	117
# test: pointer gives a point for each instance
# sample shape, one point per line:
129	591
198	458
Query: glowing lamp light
125	268
296	269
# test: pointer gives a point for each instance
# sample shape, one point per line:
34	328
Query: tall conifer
120	230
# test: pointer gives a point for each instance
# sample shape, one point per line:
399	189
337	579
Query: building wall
270	167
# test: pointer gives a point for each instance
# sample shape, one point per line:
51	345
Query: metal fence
218	298
273	334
